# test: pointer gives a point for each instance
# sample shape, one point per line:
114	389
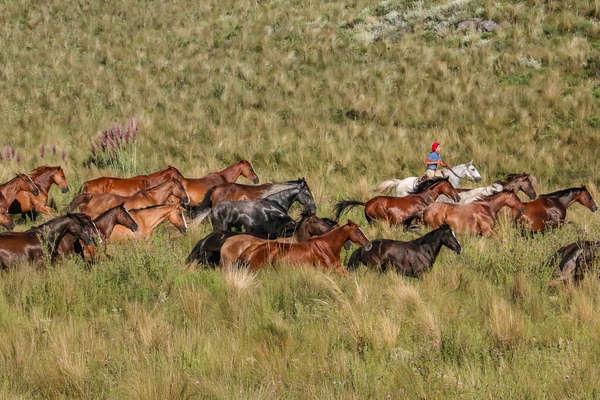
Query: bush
115	148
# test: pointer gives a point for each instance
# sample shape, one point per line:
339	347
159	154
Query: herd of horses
252	226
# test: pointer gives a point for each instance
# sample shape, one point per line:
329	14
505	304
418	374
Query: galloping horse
394	210
266	216
105	223
43	177
478	217
95	204
322	251
130	186
197	188
235	192
520	182
408	185
148	219
31	245
412	258
8	193
209	249
470	195
574	260
550	210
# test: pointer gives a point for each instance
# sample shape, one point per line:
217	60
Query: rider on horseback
433	161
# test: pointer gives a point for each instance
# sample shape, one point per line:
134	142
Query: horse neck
335	238
106	223
459	170
161	192
429	196
52	231
152	217
431	246
44	180
285	198
496	204
231	173
569	198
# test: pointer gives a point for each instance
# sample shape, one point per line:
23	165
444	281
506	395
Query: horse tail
413	221
340	206
354	260
206	203
82	198
385	186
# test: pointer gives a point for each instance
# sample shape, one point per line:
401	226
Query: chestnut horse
105	223
130	186
197	188
478	217
412	258
394	210
550	210
10	189
43	177
95	204
208	249
323	250
33	244
148	219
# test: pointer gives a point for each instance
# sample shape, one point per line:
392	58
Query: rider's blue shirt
433	156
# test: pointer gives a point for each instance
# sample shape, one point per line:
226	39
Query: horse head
305	197
472	172
123	217
585	198
248	171
24	182
177	218
356	235
449	239
61	181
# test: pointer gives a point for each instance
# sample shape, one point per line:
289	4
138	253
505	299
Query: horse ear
471	162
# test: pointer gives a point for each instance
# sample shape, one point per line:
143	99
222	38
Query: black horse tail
355	259
82	198
194	211
340	206
413	221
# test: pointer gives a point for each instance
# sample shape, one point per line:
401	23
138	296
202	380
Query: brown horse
148	219
43	177
523	182
197	188
394	210
31	245
95	204
310	226
478	217
105	223
129	186
550	210
322	251
9	190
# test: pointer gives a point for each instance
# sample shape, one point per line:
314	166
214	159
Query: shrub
115	148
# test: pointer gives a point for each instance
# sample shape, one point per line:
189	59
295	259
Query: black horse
31	245
412	258
265	217
574	260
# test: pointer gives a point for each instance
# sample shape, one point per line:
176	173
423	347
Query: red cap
434	146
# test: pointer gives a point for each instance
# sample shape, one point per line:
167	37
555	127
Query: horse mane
512	177
279	187
562	192
426	184
427	237
151	207
493	195
19	175
108	211
34	173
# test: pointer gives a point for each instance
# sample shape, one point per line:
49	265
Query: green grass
287	85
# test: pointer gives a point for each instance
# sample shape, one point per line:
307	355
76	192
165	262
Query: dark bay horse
43	177
394	210
95	204
574	260
320	251
209	249
105	224
197	188
32	244
130	186
412	258
148	219
266	216
550	210
478	217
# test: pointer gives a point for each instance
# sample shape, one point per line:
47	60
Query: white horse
469	196
454	175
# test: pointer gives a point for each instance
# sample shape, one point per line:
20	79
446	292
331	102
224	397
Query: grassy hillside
346	94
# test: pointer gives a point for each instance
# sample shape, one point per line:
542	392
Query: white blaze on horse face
184	221
453	233
186	194
128	213
97	232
